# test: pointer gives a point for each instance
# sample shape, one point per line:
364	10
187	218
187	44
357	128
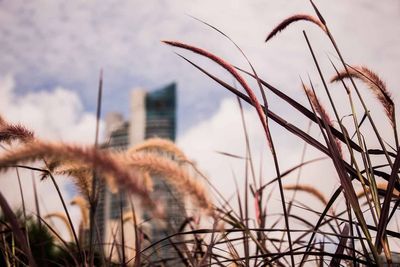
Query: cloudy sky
49	44
52	53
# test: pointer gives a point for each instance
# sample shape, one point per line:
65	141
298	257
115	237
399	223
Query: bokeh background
51	54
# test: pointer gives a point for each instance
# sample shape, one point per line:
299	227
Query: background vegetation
357	226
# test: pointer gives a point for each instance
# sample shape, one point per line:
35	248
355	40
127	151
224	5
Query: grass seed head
298	17
374	83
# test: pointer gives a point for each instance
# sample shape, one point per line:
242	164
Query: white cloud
223	132
56	114
52	115
67	43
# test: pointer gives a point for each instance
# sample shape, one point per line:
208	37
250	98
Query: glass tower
153	114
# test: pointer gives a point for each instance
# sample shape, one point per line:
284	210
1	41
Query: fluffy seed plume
228	67
308	189
103	161
83	205
316	104
61	216
13	132
298	17
81	176
159	144
375	84
173	173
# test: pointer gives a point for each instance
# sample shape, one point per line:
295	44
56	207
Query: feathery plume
82	177
53	164
159	144
63	218
228	67
12	132
322	112
173	173
104	161
298	17
375	84
308	189
83	205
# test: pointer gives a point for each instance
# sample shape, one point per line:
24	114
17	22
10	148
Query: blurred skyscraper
153	114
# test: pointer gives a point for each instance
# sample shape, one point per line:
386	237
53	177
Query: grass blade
19	235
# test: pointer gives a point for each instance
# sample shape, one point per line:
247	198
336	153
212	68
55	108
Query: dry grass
380	186
160	145
374	83
83	205
81	177
297	17
103	161
316	104
236	75
61	216
308	189
340	234
12	132
172	172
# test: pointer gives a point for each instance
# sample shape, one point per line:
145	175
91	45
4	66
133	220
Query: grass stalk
361	178
23	206
68	216
383	216
94	197
121	210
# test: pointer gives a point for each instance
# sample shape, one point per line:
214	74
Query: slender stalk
303	154
13	249
349	190
36	200
23	207
361	178
302	158
246	214
332	39
16	232
68	215
351	232
262	113
137	261
121	210
94	198
5	251
364	155
369	202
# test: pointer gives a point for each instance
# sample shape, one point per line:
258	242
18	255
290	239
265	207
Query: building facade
153	114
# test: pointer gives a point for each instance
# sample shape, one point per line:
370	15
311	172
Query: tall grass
223	231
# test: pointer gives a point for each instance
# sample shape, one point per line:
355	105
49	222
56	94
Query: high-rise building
153	114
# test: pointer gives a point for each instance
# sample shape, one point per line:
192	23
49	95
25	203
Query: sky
52	53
